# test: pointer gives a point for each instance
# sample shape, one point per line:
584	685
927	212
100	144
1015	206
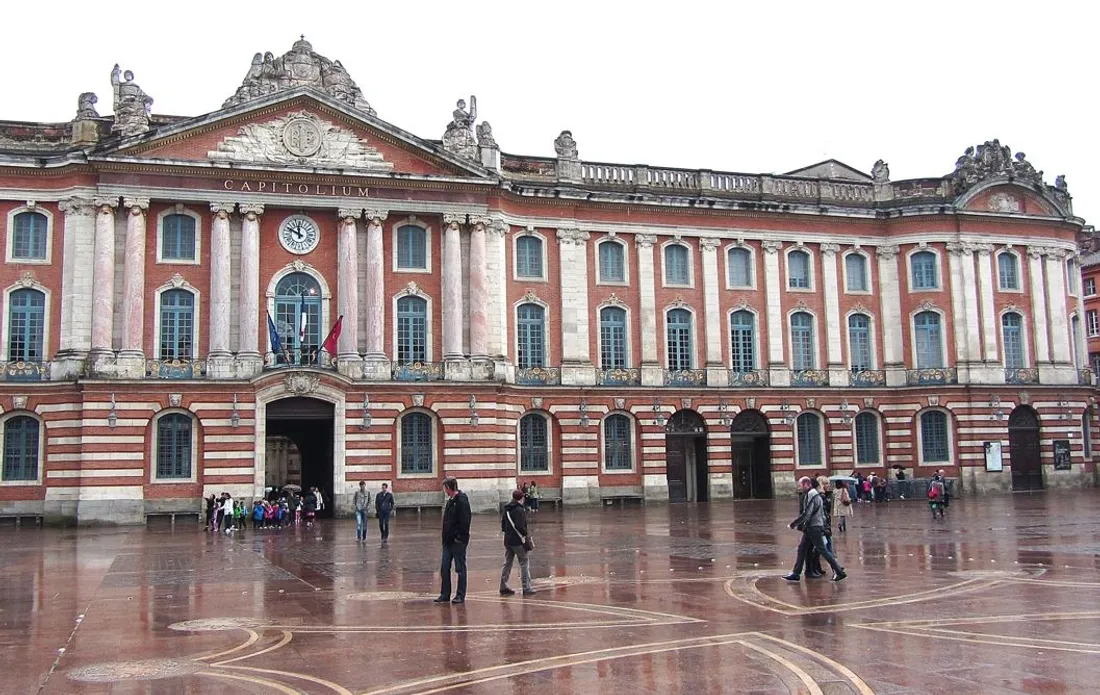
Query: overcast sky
766	87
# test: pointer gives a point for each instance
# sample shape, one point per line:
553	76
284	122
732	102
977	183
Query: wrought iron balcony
931	377
618	377
809	377
685	377
756	377
175	369
1021	376
299	359
418	371
25	371
538	376
868	377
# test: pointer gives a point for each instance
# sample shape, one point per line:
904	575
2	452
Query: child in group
269	514
257	514
298	512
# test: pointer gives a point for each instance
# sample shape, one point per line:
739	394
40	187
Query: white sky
766	87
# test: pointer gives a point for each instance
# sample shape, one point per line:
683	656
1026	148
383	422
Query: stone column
479	294
1039	328
652	374
453	311
773	281
347	357
103	284
76	288
835	327
576	358
712	313
890	316
496	269
1060	350
992	371
249	360
131	359
376	366
220	360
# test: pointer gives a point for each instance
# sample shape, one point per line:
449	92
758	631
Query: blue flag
273	334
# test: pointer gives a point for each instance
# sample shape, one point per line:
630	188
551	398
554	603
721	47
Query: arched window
612	262
922	271
855	271
534	454
1012	329
859	342
530	336
298	313
612	338
928	339
803	355
177	325
742	341
616	443
412	330
809	439
677	265
29	237
417	449
26	325
1008	271
174	446
739	261
934	441
867	439
529	257
798	270
412	247
177	239
21	448
678	339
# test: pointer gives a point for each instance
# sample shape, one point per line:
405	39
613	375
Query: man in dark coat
513	523
383	506
456	538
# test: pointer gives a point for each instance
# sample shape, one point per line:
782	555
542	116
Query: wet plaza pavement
1002	596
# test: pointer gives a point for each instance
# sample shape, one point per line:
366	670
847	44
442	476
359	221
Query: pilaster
1056	303
219	359
479	289
891	317
76	288
652	375
991	371
348	361
453	310
376	366
777	366
834	327
496	279
1040	328
249	359
131	358
577	365
101	358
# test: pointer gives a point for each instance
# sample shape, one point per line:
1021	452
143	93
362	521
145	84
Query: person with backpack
517	542
936	494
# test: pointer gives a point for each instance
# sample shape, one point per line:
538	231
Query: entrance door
676	468
1024	451
300	434
686	457
751	454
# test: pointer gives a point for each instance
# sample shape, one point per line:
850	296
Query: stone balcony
24	371
749	379
418	371
1021	376
538	376
932	377
618	377
867	377
809	377
175	369
685	377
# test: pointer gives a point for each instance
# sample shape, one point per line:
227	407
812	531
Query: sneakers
839	576
529	592
792	577
505	591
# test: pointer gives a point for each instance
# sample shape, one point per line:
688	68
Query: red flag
329	345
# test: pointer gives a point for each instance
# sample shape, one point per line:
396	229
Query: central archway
1023	449
299	445
686	457
750	448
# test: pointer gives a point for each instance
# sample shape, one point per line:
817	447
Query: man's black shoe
529	592
839	576
440	599
456	600
792	577
507	592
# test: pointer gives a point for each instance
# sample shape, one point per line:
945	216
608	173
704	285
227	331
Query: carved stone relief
298	138
301	384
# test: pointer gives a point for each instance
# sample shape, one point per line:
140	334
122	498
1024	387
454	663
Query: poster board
994	462
1061	455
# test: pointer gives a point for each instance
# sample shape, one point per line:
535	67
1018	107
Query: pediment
1008	199
831	169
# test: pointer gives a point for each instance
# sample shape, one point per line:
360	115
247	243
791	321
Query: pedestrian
310	506
383	507
942	476
362	509
936	494
842	506
257	514
210	513
865	487
227	513
533	497
812	524
513	523
456	538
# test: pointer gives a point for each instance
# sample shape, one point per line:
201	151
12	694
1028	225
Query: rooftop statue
459	135
485	135
132	105
880	172
989	160
85	107
565	146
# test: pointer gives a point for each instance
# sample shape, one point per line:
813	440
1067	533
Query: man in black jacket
513	523
383	506
456	537
811	521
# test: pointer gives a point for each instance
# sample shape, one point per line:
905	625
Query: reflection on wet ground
999	597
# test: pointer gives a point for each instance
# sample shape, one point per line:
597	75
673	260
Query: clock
299	234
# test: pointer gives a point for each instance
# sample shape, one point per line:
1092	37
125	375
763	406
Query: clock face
299	234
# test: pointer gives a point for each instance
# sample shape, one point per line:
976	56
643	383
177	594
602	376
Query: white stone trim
879	433
1010	251
935	251
628	338
664	264
544	274
196	329
756	356
154	436
1025	335
943	336
429	336
5	318
10	237
626	261
816	336
549	419
412	221
634	453
41	448
546	323
872	328
868	275
823	433
811	266
694	332
918	426
276	390
179	209
752	265
398	444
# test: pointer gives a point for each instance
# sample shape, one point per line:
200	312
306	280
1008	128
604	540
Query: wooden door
742	452
676	468
1024	451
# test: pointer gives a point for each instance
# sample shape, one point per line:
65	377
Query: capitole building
171	285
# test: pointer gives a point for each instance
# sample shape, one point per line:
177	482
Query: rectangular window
855	267
1092	321
21	448
529	257
533	456
416	444
742	342
412	252
809	440
412	330
740	267
530	336
929	346
934	437
867	448
859	340
616	435
679	342
612	338
798	270
1090	287
802	347
174	446
612	264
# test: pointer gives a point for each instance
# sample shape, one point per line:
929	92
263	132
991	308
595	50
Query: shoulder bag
528	542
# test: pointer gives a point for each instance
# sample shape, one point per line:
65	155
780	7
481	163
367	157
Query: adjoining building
172	288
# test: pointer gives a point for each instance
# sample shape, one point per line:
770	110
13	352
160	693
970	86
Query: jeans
360	525
814	537
511	552
453	552
384	524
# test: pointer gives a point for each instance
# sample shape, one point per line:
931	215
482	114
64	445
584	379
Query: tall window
677	265
21	448
531	336
1012	335
678	338
616	443
298	305
26	325
412	248
177	238
933	437
29	238
177	325
412	330
612	338
740	267
867	440
926	330
529	257
1075	335
612	262
1092	323
1074	272
859	341
416	444
922	271
855	268
809	439
802	341
174	446
798	270
533	444
1090	287
742	341
1008	271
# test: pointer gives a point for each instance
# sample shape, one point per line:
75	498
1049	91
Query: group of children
228	515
